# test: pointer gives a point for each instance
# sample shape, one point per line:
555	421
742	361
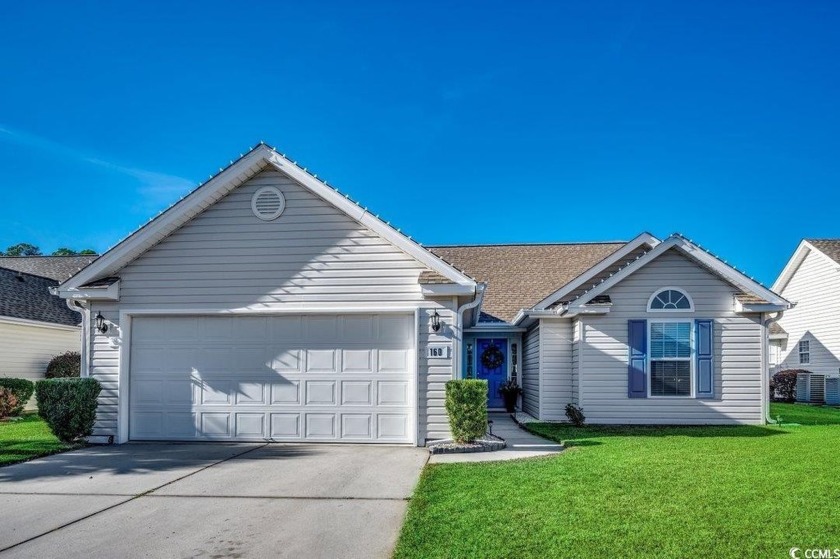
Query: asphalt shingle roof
830	247
520	276
58	268
27	296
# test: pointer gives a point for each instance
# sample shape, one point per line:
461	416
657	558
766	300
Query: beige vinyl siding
434	374
104	367
556	388
25	350
312	253
531	372
815	288
737	351
228	259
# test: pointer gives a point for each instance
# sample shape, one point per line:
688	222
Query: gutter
459	326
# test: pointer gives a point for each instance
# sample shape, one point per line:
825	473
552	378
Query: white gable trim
617	256
219	186
799	255
695	253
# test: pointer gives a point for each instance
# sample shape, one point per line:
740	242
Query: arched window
670	299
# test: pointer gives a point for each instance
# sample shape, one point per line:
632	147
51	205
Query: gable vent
268	203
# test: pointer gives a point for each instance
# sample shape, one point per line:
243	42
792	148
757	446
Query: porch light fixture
100	323
436	322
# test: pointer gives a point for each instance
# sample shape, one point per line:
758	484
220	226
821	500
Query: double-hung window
670	358
805	351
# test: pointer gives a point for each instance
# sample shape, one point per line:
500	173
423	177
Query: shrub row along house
267	305
36	325
807	337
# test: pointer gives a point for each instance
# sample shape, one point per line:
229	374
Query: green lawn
805	414
27	438
637	492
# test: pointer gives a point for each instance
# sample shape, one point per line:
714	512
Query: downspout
459	326
78	307
765	365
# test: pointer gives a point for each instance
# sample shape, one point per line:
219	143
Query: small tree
783	385
64	251
65	365
23	249
466	405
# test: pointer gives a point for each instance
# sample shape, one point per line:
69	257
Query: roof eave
760	307
702	257
89	293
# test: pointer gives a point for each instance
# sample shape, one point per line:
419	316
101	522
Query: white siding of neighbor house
737	351
25	350
531	372
815	289
556	390
226	258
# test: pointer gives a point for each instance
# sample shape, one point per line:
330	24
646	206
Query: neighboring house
808	335
34	324
265	305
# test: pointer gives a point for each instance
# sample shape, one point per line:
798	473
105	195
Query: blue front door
491	365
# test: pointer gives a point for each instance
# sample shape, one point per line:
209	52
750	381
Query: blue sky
463	122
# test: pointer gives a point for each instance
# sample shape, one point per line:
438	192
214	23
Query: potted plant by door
510	391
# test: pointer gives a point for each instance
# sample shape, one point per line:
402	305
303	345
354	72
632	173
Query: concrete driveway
209	500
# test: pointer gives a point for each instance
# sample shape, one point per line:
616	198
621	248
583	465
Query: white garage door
286	378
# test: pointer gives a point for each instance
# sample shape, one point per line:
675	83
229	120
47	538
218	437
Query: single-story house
266	305
808	335
35	325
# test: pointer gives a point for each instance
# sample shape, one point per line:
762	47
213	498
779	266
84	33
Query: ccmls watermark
814	553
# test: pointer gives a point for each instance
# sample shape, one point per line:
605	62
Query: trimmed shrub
466	405
8	402
575	415
68	405
22	390
783	385
65	365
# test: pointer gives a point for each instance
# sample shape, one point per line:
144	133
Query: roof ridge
22	273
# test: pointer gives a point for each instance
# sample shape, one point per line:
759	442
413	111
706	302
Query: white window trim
691	360
658	291
807	352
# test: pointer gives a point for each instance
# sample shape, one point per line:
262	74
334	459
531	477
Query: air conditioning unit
811	388
832	391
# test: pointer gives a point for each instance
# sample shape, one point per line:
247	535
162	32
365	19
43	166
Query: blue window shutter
637	368
704	354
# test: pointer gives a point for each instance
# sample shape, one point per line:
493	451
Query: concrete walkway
209	500
520	444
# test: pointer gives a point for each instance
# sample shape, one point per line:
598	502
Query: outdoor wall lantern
100	323
436	322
